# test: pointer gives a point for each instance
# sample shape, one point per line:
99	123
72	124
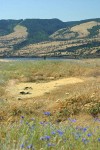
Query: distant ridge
20	38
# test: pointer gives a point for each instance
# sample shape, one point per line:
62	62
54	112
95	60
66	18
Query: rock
19	98
28	88
24	93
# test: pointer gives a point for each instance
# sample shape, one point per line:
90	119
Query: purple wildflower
89	134
32	119
42	138
45	138
99	139
22	146
51	145
53	132
22	117
84	129
30	147
85	141
60	132
47	113
42	122
72	120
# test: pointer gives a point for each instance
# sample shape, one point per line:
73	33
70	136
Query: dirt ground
30	90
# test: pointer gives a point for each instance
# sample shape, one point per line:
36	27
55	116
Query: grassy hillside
49	37
6	26
40	29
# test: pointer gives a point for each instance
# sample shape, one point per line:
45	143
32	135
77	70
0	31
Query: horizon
50	19
69	10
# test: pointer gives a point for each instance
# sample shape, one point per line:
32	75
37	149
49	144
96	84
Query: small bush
95	110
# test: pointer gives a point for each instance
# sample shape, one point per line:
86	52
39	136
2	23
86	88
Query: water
36	59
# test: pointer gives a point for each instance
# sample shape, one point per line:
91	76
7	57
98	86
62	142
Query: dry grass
65	101
6	42
82	29
19	32
68	33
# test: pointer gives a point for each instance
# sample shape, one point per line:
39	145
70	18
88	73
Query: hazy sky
65	10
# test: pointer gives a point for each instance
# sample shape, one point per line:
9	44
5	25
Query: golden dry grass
63	101
82	29
19	32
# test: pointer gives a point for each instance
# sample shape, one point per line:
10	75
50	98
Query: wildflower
22	117
96	120
60	132
53	132
32	127
84	129
51	145
89	134
85	141
42	122
45	138
32	119
42	138
77	136
30	147
99	139
22	146
72	120
27	123
47	113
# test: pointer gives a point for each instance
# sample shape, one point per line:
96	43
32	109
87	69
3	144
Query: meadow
66	117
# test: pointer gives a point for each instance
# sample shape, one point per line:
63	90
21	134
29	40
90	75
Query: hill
50	37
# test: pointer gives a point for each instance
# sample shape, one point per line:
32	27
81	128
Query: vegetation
36	135
65	118
32	33
6	26
40	29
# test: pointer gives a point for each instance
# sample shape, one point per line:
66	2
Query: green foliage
95	110
6	26
34	135
94	31
40	29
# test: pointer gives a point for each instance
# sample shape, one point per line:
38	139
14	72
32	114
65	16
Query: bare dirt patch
29	90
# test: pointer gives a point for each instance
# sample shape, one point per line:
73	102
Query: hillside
49	37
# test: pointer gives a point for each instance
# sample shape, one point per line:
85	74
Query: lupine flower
60	132
42	122
32	119
89	134
22	117
42	138
72	120
77	136
84	129
32	127
85	141
47	113
22	146
96	120
30	147
51	145
99	139
45	138
53	132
